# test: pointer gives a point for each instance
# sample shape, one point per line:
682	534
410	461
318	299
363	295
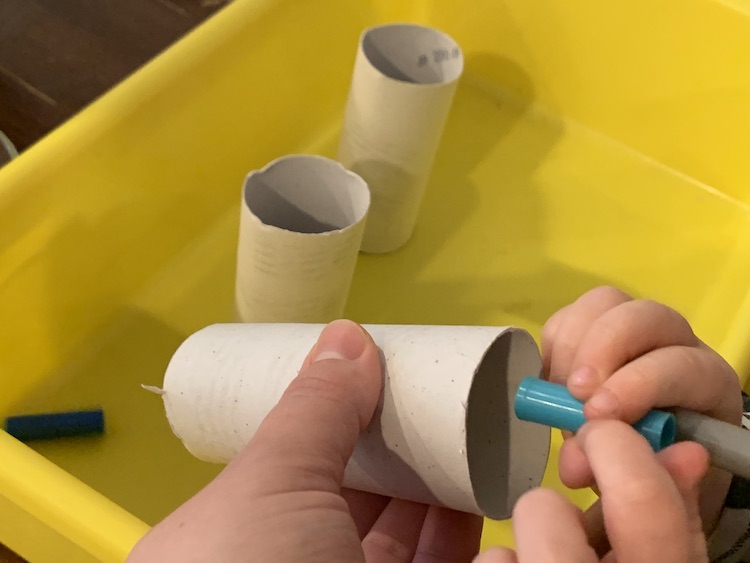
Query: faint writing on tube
438	56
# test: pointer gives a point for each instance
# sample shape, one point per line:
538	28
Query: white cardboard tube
301	224
444	432
402	88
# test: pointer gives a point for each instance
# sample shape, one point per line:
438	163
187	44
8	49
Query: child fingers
549	335
575	471
643	510
694	378
621	335
548	528
565	333
686	463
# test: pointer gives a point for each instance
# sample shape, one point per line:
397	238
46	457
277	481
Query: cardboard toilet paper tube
402	88
301	224
444	432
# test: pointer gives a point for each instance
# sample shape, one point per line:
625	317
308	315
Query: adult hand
649	504
281	499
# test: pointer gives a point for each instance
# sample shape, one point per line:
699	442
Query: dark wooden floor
7	556
56	56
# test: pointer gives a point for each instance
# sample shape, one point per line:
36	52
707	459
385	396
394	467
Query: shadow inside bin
489	128
138	463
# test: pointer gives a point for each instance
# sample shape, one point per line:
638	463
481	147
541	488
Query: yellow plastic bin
590	143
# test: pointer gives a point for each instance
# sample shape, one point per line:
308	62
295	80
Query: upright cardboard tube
402	88
443	434
301	224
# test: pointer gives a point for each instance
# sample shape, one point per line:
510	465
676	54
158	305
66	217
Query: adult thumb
307	439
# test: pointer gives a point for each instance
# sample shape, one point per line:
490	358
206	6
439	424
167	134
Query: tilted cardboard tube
444	432
402	88
301	224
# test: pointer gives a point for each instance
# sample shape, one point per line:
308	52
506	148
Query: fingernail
583	377
604	402
340	340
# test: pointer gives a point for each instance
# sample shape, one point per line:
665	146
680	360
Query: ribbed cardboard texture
401	92
301	224
443	434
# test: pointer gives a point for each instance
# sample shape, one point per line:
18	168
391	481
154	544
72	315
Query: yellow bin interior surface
589	143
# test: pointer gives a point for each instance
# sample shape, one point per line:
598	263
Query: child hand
624	357
649	505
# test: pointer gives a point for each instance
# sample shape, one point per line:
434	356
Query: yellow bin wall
590	142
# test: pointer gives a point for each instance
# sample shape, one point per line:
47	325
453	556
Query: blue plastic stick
55	425
551	404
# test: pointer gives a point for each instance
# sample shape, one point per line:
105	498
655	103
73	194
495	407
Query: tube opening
413	53
307	194
506	456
